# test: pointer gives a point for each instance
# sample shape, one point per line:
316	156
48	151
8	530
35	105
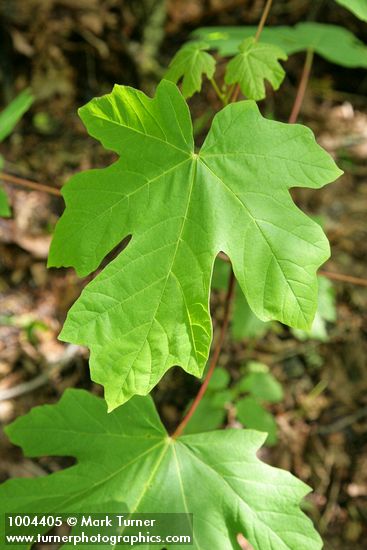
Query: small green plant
325	314
247	400
8	119
148	309
211	411
260	389
246	325
27	323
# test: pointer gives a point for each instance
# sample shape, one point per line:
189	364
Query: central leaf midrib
178	466
147	485
263	156
169	271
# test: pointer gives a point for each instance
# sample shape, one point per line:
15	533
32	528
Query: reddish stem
231	284
214	359
260	28
292	119
14	180
344	278
328	274
263	19
235	93
302	86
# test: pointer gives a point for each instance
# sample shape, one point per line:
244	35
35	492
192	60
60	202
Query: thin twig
217	90
42	379
260	28
25	387
328	274
343	278
215	356
229	93
302	87
263	19
235	93
14	180
343	423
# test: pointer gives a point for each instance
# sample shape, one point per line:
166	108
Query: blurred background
68	51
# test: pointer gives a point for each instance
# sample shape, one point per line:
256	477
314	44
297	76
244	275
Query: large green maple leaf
148	309
128	457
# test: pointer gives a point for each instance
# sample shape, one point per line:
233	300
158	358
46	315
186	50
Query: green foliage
262	388
5	211
14	112
127	457
244	323
148	309
334	43
8	119
260	383
252	415
256	62
358	7
210	413
326	313
191	63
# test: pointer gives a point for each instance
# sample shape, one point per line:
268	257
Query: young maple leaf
256	63
149	308
190	63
